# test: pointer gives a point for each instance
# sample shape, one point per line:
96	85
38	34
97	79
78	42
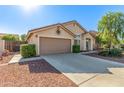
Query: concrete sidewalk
18	58
89	52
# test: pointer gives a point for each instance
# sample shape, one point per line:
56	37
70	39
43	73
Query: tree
111	28
11	37
23	37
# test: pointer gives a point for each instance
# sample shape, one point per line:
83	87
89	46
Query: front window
78	36
77	42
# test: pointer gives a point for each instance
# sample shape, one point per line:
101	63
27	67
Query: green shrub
76	48
113	52
27	50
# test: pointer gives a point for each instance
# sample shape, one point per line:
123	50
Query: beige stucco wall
2	45
77	31
49	33
74	28
94	44
33	40
82	43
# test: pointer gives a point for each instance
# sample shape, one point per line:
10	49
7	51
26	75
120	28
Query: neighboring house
60	37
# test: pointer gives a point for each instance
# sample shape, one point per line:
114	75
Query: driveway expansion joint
87	80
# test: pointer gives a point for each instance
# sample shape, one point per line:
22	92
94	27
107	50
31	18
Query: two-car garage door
54	45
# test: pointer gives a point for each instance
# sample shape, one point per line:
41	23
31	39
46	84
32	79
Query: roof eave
34	30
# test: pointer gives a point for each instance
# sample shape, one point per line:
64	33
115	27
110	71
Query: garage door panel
54	45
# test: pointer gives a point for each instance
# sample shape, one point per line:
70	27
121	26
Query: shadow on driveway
40	66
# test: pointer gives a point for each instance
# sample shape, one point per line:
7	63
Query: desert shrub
104	53
28	50
76	48
113	52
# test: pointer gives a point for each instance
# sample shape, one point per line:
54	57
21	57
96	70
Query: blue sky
20	19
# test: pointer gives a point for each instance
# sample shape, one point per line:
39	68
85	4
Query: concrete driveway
88	71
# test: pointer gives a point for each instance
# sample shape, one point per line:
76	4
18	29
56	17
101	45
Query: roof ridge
66	28
44	27
68	21
76	23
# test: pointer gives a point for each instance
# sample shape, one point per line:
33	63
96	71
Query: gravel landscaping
117	59
6	59
33	74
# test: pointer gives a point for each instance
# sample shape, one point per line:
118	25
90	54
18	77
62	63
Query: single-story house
60	37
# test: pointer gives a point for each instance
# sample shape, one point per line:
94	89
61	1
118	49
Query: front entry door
88	44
